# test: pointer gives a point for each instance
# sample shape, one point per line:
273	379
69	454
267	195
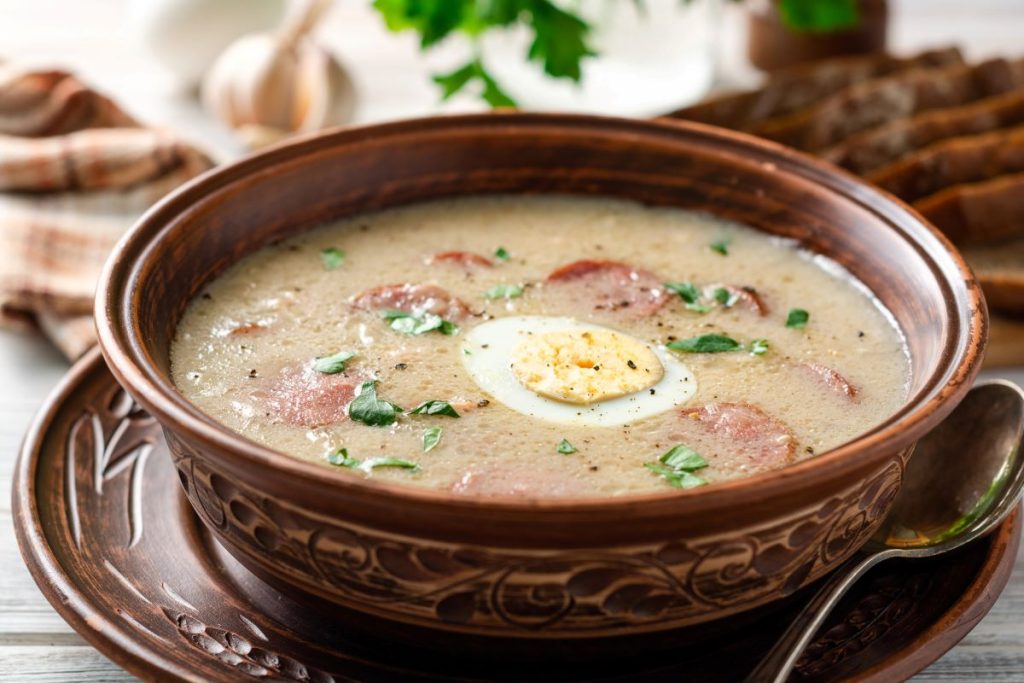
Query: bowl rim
960	361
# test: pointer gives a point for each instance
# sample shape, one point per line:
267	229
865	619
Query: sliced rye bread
1005	341
804	84
865	105
876	147
978	212
1000	269
952	162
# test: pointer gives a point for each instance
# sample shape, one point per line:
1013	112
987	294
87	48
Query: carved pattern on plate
889	602
239	652
111	439
578	591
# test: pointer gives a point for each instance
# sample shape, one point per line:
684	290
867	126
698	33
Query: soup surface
545	346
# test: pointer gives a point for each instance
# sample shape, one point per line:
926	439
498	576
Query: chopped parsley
343	459
797	318
504	292
677	466
333	364
502	254
565	448
332	258
759	347
707	343
723	297
434	408
720	246
421	323
687	291
699	300
374	463
431	438
370	410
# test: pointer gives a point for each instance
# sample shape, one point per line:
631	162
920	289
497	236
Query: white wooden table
89	36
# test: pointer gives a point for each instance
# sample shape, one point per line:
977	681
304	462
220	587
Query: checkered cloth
75	172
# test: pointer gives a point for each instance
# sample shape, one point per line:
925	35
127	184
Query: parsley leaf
333	364
560	39
431	438
502	253
687	291
683	457
797	318
455	81
504	292
332	258
720	246
677	466
723	297
370	410
434	408
374	463
759	347
432	20
565	448
707	343
490	91
342	458
410	323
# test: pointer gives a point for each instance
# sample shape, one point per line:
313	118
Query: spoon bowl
963	479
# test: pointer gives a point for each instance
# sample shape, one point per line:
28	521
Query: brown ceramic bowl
520	568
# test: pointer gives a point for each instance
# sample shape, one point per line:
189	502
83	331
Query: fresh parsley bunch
560	36
559	42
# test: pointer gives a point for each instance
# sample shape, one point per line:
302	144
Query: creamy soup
541	347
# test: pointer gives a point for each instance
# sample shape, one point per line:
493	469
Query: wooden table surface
91	37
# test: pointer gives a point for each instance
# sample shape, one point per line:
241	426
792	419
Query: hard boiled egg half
567	371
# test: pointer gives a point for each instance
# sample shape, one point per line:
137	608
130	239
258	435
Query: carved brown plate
116	548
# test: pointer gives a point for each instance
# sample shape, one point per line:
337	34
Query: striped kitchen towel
75	172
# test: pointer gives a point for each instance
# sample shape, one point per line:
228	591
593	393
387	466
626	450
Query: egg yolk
585	366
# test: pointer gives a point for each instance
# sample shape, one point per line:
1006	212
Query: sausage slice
306	398
613	286
412	298
741	297
517	480
763	441
466	259
832	380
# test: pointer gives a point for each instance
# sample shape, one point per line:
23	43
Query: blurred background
655	55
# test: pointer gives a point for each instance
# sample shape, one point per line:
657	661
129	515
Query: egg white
487	350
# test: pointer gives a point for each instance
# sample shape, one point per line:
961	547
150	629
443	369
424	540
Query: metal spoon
964	478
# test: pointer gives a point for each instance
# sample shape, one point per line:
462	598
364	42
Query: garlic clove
324	93
262	81
255	136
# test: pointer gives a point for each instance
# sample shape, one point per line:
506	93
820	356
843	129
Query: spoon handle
776	666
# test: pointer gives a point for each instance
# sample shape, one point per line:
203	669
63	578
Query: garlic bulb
268	86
